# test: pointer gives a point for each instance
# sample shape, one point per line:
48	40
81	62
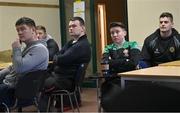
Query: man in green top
121	54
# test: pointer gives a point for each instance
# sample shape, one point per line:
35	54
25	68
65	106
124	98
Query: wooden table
4	64
50	62
158	73
173	63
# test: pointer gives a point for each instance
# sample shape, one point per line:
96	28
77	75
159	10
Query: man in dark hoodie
163	45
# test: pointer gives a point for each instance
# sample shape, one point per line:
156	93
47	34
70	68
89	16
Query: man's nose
38	35
114	34
19	32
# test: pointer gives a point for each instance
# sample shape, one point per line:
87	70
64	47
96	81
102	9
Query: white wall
143	16
49	17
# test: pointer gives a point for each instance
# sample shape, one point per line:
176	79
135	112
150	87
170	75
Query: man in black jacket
52	46
122	56
67	60
163	45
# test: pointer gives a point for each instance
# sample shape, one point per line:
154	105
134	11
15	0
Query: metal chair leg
71	102
49	103
36	104
98	95
62	105
77	104
7	108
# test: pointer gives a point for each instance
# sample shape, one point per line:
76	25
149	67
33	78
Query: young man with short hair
67	60
163	45
34	57
51	43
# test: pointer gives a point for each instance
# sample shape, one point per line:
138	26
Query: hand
55	58
16	43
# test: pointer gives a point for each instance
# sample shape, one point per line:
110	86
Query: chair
79	77
142	64
27	89
4	108
99	80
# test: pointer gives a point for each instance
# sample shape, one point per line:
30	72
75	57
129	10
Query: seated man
67	60
34	57
122	56
51	44
163	45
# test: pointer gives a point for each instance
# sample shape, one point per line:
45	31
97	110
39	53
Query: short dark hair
166	14
79	19
117	24
25	20
40	27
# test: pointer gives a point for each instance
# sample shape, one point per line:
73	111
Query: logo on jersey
156	51
172	49
126	52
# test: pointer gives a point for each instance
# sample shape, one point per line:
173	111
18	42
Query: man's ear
172	24
84	29
125	32
33	29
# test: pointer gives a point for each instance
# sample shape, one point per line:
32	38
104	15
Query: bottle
105	68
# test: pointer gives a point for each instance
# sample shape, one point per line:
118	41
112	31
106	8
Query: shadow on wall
5	56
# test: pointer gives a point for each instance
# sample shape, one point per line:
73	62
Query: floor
89	101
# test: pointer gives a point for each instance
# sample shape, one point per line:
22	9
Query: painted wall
49	17
143	16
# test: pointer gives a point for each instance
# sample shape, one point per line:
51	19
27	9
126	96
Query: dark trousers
50	85
6	94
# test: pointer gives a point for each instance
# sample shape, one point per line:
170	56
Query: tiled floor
89	101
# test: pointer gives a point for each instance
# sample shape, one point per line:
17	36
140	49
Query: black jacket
157	50
52	48
122	59
71	56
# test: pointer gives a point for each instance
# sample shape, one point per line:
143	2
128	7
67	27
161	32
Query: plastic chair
28	88
79	77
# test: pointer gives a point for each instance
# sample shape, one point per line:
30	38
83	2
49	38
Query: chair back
142	64
29	84
81	72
